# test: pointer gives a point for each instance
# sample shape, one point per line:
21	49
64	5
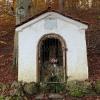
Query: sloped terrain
7	30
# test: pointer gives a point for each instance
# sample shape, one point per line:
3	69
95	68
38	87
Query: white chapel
48	44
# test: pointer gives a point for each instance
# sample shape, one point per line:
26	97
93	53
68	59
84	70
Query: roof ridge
50	10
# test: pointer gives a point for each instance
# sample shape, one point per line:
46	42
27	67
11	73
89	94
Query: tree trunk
61	5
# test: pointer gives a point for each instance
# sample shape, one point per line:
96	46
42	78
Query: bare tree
72	4
61	4
96	4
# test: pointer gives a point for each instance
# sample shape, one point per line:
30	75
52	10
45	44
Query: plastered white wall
74	36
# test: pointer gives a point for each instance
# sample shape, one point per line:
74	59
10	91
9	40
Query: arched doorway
51	58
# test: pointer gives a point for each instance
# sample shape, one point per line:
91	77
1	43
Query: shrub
29	88
56	87
2	98
17	89
37	87
43	88
2	88
78	88
97	86
14	98
32	88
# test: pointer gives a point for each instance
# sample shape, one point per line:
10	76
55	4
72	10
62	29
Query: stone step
49	97
41	97
55	97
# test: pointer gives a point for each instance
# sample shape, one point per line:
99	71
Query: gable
51	15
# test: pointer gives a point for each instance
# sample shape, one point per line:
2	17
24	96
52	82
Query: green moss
97	87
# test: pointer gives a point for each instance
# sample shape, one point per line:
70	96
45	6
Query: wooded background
84	10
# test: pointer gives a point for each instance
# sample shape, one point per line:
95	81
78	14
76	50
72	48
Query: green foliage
2	87
56	87
77	88
37	87
18	90
29	88
54	79
2	98
14	98
51	73
97	87
32	88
